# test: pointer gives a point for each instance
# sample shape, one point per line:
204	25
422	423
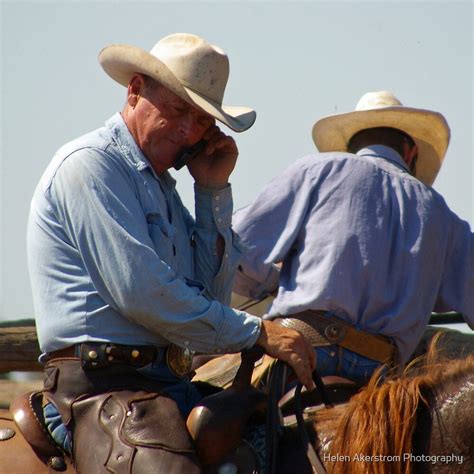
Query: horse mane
379	423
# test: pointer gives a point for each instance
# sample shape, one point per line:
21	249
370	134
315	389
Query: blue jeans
182	391
335	360
56	428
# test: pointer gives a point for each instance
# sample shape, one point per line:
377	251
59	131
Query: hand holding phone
189	154
217	154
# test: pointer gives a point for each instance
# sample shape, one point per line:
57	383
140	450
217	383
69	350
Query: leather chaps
119	420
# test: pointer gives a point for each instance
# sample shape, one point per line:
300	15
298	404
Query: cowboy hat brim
121	62
428	129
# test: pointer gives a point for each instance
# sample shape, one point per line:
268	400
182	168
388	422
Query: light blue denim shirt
362	238
114	255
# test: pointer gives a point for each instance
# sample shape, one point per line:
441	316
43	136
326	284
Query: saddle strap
277	379
313	456
324	330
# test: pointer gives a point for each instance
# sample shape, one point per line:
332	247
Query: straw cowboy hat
429	130
192	68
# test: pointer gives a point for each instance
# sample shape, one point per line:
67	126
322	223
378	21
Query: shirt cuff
239	331
213	207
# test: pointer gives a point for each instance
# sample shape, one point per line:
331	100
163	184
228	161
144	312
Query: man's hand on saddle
214	164
291	347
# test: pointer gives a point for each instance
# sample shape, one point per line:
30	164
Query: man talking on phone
126	284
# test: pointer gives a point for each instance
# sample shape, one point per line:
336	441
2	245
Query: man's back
360	237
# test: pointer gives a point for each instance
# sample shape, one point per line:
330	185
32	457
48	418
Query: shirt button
216	198
219	220
226	255
217	208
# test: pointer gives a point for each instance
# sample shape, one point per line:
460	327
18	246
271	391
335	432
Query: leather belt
322	329
96	355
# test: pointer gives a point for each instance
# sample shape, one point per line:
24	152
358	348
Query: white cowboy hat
192	68
429	130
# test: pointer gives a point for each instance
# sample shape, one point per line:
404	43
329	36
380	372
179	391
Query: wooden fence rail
19	350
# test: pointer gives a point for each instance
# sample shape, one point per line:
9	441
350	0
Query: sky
292	61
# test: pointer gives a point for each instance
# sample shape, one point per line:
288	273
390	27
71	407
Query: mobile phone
189	154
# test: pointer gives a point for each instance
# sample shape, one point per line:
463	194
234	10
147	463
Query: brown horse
421	422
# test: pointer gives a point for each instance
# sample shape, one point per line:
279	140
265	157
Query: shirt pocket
162	234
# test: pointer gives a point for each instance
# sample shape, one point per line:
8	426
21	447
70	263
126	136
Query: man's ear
135	87
409	153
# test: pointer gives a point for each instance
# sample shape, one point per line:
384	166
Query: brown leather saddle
25	444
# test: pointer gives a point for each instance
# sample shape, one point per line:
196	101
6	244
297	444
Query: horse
419	422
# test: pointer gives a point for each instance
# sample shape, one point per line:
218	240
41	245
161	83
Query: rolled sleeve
245	285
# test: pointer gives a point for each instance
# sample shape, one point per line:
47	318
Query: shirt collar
130	150
386	153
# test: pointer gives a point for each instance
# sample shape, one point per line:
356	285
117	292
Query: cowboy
368	248
126	284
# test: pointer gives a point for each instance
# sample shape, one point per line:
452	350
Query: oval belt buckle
179	360
334	333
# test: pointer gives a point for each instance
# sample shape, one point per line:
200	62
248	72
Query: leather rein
313	456
276	386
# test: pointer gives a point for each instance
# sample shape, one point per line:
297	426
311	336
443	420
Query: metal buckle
179	360
335	333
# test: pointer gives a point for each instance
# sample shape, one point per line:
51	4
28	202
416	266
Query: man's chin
163	161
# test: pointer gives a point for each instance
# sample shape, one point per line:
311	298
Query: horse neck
452	430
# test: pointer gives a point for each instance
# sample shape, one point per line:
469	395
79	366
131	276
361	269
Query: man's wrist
262	336
212	185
